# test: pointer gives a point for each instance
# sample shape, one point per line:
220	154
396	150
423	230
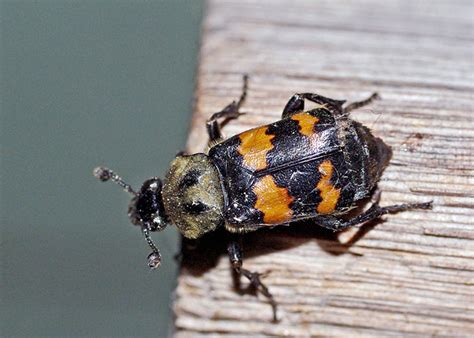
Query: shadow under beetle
314	164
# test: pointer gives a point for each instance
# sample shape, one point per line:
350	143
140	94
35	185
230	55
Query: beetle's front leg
234	250
375	211
231	111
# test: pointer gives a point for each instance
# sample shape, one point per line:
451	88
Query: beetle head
145	209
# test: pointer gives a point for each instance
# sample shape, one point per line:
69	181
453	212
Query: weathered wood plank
412	274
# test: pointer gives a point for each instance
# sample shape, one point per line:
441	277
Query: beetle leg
375	211
295	105
231	111
359	104
322	100
334	106
234	250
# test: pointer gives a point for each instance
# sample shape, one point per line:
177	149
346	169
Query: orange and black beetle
314	164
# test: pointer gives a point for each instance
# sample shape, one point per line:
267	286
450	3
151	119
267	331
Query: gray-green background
85	83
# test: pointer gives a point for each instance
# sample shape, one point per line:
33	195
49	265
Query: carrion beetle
310	165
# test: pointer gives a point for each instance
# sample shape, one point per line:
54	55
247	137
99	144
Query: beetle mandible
310	165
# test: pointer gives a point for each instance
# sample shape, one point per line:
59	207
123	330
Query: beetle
312	164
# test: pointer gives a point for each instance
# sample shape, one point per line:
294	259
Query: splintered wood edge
413	273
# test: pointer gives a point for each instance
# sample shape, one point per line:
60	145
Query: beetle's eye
195	208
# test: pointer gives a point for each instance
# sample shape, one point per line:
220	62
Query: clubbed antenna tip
105	174
154	258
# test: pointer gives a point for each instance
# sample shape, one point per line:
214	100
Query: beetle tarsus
359	104
234	250
374	212
255	281
231	111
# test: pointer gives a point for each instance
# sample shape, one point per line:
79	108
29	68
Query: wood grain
413	273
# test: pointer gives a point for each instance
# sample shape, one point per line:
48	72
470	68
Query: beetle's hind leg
374	212
231	111
359	104
235	255
296	104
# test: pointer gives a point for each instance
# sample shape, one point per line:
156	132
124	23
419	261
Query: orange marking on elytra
273	201
329	194
306	123
254	146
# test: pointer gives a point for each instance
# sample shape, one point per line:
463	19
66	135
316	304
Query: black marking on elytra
293	162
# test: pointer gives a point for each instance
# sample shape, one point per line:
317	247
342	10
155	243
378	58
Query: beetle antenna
154	259
105	174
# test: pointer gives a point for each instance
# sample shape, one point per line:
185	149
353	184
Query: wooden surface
413	273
